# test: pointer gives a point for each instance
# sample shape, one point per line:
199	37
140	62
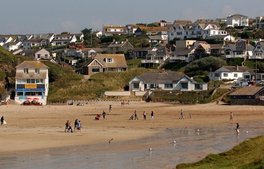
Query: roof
238	16
153	29
119	44
234	69
161	77
183	52
182	22
31	65
247	91
119	60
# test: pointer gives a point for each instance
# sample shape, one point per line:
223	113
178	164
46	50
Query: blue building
32	82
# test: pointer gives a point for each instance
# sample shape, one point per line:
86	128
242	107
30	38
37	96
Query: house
155	57
182	54
42	54
48	37
179	29
237	20
105	63
165	81
63	39
34	42
32	82
251	95
258	52
152	30
120	47
13	45
110	30
139	52
240	49
232	73
260	22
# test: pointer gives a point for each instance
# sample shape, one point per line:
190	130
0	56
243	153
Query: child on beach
144	115
135	115
68	127
2	120
152	115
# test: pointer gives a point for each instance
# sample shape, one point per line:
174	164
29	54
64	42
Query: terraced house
32	82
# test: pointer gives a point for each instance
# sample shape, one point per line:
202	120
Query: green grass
133	63
67	85
247	155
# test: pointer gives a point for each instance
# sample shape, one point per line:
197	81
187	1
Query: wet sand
36	134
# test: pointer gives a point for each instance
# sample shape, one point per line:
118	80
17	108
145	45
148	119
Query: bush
204	66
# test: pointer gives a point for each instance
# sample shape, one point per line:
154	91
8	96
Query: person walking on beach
135	115
75	124
110	108
104	114
231	116
68	127
79	125
152	115
237	128
181	115
2	120
144	115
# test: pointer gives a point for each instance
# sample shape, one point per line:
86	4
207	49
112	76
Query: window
38	56
135	85
247	76
152	86
109	60
217	75
169	86
198	87
225	75
37	71
184	85
235	75
26	70
95	70
19	93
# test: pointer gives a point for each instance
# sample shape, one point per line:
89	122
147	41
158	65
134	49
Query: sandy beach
40	130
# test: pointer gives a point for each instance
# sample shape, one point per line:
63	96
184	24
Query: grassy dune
247	155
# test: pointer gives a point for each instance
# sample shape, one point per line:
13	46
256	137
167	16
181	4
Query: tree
90	39
204	65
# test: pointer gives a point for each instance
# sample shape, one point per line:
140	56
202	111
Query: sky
43	16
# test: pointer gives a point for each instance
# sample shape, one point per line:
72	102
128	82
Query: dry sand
41	127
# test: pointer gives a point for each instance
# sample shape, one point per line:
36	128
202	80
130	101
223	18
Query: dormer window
26	70
109	60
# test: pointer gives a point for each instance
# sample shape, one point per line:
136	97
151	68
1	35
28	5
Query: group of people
134	116
77	126
97	117
181	116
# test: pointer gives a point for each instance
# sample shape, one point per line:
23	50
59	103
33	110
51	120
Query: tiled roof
31	65
247	91
119	60
161	77
234	69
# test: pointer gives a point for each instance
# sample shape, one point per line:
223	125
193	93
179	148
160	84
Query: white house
110	30
42	54
231	73
32	82
63	39
12	46
260	22
258	52
241	49
237	20
165	81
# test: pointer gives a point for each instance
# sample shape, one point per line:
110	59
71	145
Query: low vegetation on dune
67	85
247	155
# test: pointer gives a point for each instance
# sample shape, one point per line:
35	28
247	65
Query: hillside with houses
158	61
